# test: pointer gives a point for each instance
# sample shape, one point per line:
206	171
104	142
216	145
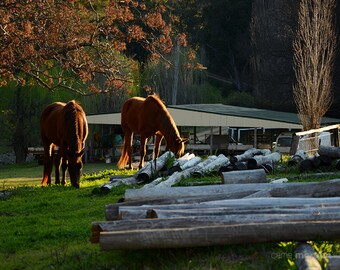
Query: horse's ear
184	140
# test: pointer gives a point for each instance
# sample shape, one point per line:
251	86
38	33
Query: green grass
50	228
31	174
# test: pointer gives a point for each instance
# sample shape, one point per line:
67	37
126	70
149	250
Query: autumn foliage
79	44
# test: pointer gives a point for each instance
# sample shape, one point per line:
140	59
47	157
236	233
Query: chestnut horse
65	126
148	117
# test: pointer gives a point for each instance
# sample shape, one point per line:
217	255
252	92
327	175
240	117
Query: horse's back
50	118
57	120
130	112
51	110
139	113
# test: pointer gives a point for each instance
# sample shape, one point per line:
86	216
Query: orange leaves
78	42
28	29
155	20
135	32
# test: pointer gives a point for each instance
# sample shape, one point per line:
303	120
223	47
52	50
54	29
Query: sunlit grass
31	174
50	228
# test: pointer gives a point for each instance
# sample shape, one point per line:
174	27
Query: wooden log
297	158
246	155
325	160
253	203
115	182
309	164
235	214
212	166
240	166
256	161
330	188
245	176
184	166
112	210
236	233
268	167
305	257
176	167
178	176
117	211
184	159
191	163
208	220
333	262
228	168
330	151
153	183
145	174
193	166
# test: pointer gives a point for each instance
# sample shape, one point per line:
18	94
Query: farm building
230	127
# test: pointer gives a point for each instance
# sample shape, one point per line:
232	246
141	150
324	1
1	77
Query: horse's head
75	166
178	146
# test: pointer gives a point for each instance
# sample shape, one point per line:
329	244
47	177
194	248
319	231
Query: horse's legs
142	150
158	141
63	168
48	163
57	163
128	136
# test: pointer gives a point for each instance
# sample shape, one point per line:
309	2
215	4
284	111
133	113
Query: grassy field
31	174
49	228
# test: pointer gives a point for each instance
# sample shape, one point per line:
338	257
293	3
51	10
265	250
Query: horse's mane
171	127
158	100
72	108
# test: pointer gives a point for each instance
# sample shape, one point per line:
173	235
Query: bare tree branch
314	56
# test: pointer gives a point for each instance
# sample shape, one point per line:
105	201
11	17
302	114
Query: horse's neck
77	133
169	129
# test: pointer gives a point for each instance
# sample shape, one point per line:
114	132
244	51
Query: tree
78	45
221	29
19	117
273	29
314	55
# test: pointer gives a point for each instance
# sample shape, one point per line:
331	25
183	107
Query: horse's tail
123	157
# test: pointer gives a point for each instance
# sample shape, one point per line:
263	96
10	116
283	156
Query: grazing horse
148	117
64	126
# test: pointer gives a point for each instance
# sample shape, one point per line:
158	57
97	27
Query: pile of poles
160	174
245	207
326	156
